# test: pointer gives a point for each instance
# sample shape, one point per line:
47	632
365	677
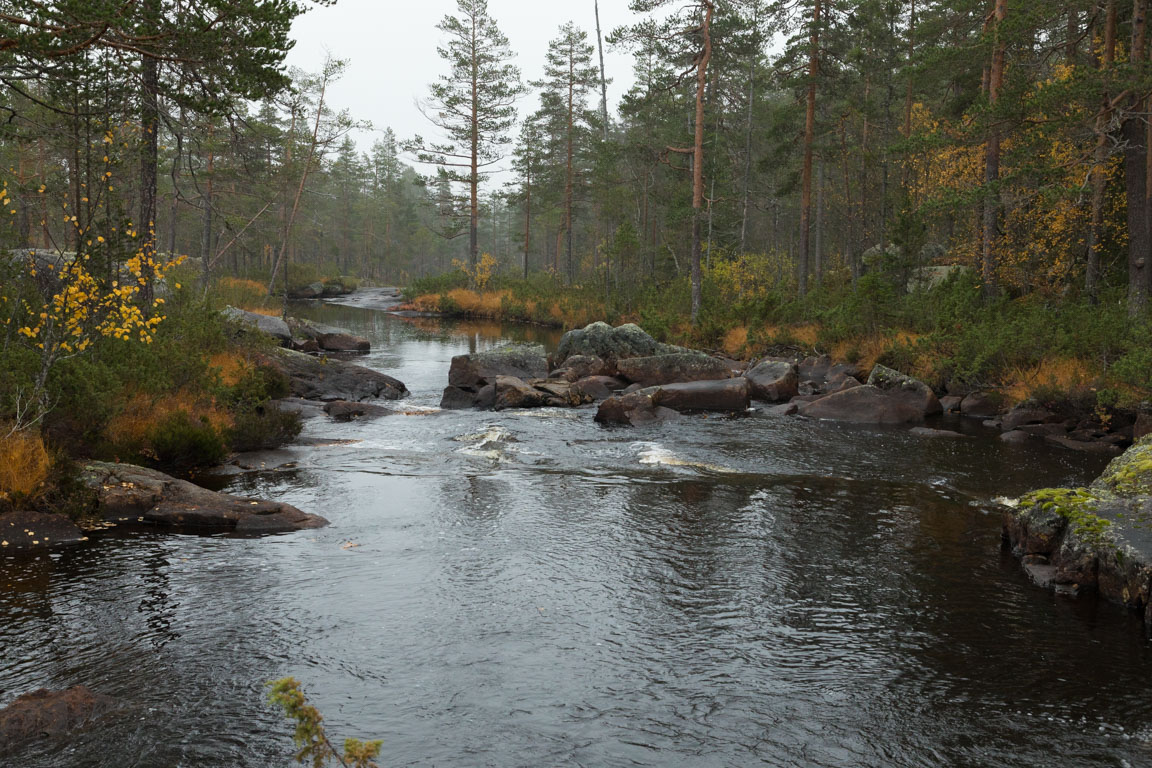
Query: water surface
529	589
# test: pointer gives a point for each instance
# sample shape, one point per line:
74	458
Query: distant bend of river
530	589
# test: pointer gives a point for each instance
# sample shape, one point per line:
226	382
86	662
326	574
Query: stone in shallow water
49	713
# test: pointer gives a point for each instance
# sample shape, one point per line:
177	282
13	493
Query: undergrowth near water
1049	349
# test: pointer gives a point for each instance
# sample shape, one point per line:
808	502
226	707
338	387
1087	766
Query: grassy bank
181	397
1056	349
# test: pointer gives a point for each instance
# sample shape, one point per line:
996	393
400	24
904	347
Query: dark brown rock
342	410
981	405
630	408
951	403
866	404
936	433
673	368
131	494
561	394
342	342
1106	449
1023	415
579	367
730	395
774	381
1143	425
916	394
23	530
1016	437
49	713
599	387
455	398
521	361
325	379
512	392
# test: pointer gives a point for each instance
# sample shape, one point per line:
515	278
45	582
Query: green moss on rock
1076	505
1129	474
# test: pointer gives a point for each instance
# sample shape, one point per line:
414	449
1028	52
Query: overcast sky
391	49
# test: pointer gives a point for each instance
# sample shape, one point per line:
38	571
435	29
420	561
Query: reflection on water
531	589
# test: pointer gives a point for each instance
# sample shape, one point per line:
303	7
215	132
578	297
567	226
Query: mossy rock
1076	505
1129	474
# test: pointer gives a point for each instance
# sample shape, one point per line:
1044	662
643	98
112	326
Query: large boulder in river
730	395
901	386
273	326
579	367
23	530
325	379
129	494
660	403
776	381
328	338
49	713
865	404
610	344
523	361
676	367
599	387
634	408
512	392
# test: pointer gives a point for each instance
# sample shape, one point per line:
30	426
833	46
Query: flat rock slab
49	713
24	530
326	379
936	433
521	361
273	326
130	494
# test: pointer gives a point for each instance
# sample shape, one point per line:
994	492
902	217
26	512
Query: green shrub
263	427
182	442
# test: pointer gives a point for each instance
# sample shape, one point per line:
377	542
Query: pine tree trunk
698	161
568	169
1099	176
603	77
1136	180
992	159
149	160
809	140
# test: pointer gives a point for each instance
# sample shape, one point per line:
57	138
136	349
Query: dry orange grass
870	348
1065	374
262	310
735	341
132	425
230	366
24	464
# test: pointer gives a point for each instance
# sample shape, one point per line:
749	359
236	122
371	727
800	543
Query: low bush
183	441
24	465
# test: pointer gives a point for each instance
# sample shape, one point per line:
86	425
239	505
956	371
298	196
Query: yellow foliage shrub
24	464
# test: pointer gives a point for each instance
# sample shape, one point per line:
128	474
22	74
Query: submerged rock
24	530
129	494
342	410
49	713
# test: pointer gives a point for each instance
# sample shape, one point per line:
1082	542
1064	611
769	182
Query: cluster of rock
320	290
596	363
1031	421
1097	538
301	335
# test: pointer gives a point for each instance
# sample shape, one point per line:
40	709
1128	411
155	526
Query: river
530	589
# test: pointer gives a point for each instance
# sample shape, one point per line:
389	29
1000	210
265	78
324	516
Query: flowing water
530	589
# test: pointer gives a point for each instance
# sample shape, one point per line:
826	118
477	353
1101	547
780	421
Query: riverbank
1088	361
